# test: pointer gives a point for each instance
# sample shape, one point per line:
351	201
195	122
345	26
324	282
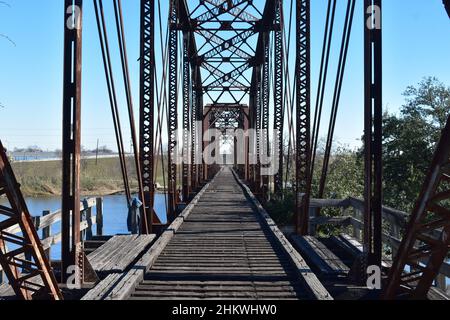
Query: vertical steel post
373	121
72	251
252	116
258	131
147	99
186	116
173	106
265	97
278	96
193	128
303	123
199	125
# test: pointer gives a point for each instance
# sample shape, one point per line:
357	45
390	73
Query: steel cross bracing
224	31
224	44
22	256
426	242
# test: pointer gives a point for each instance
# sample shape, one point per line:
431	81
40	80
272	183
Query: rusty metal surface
303	102
373	118
22	256
146	212
202	76
71	148
147	99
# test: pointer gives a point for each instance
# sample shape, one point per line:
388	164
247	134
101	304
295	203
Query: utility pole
96	152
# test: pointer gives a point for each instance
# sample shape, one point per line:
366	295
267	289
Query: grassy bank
102	178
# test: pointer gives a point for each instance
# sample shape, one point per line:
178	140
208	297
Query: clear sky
416	44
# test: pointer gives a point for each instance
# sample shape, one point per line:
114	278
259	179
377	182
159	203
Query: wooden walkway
223	246
119	253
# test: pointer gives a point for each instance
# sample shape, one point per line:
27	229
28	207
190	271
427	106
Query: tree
409	141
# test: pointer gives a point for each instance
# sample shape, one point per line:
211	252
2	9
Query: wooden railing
351	217
45	222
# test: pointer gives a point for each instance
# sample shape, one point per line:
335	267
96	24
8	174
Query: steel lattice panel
173	107
278	98
303	143
147	74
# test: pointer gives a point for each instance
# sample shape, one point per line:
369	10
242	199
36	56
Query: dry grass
102	178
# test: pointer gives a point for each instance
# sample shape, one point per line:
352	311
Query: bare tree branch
6	4
8	38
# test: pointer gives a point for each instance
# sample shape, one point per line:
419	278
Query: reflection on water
115	213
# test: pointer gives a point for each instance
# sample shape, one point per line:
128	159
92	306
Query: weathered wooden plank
130	253
120	289
352	246
311	281
102	288
325	260
214	241
116	255
112	244
114	252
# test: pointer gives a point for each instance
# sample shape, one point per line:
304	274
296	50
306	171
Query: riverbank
100	178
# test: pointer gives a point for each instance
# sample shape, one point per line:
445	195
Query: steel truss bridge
226	65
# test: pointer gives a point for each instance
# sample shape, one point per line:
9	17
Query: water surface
115	212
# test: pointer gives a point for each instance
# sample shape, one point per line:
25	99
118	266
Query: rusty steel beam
197	136
173	109
427	236
278	95
147	106
373	127
72	249
187	105
265	112
258	130
303	114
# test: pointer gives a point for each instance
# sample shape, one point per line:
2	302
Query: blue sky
416	44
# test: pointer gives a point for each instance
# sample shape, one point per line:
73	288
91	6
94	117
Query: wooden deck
119	253
223	246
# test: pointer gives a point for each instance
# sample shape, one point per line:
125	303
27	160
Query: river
115	213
